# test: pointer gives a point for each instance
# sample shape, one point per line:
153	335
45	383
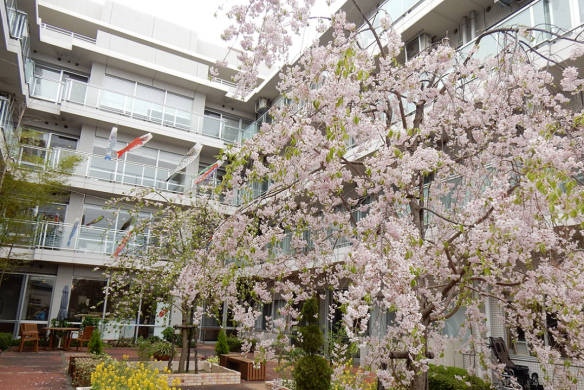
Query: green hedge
443	378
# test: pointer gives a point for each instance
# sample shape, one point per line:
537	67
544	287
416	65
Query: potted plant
159	350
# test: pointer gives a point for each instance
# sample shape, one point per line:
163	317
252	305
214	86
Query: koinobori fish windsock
111	143
124	241
188	158
207	172
135	144
73	231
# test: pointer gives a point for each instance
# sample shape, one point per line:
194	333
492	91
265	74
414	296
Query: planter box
209	374
274	386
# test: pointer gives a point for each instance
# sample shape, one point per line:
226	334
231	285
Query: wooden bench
245	366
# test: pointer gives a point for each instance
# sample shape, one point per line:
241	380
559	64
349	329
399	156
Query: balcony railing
68	33
116	171
224	82
57	235
120	171
17	20
6	123
88	95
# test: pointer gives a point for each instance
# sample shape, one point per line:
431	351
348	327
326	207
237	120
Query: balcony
535	15
120	171
57	235
17	20
49	29
116	171
87	95
6	123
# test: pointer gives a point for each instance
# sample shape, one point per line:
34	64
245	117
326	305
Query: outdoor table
67	335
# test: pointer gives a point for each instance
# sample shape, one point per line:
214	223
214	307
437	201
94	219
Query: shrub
159	350
312	372
234	344
95	344
6	341
113	374
89	321
221	347
312	338
444	378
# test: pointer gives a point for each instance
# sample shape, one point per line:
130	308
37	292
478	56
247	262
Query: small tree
311	371
172	239
95	344
39	181
221	347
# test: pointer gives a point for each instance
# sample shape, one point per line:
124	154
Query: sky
205	17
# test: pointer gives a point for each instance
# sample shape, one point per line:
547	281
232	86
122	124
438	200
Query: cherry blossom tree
165	236
416	188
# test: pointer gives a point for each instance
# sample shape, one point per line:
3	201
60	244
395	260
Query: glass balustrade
90	239
46	88
107	100
6	123
17	20
549	15
94	166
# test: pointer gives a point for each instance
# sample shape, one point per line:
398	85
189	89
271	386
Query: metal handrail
68	33
224	82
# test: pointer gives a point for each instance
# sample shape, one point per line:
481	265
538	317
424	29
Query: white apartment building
83	67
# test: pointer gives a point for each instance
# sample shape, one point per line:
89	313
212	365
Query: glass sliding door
10	291
37	298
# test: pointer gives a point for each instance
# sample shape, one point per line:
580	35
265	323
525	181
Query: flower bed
153	372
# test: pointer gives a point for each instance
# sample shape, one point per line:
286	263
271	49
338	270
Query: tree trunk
196	332
184	355
420	381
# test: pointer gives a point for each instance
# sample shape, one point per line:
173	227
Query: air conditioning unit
417	45
262	105
504	3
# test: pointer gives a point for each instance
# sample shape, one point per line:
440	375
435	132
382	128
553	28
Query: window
102	230
145	102
146	167
225	126
87	299
37	298
48	83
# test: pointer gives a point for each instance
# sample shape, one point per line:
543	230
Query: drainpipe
473	24
463	28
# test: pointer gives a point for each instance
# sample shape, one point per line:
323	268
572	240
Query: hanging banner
73	231
207	173
187	159
124	242
135	144
112	140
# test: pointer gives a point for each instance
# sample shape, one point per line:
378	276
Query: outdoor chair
521	373
82	337
29	332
